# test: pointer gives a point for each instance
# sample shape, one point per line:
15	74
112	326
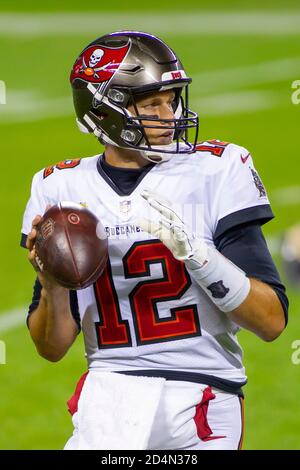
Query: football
71	245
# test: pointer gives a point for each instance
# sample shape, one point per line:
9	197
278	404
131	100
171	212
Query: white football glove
172	231
225	283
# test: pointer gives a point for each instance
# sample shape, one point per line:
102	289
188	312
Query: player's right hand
30	242
44	279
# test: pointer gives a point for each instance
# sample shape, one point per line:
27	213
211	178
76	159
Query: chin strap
159	157
156	156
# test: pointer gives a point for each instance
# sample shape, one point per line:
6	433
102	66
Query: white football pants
190	416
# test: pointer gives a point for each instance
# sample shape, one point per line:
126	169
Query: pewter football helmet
111	73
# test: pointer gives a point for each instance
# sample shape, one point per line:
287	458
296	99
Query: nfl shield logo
125	207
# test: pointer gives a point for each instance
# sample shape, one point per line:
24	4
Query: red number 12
183	322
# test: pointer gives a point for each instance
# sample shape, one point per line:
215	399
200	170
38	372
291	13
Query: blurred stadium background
243	56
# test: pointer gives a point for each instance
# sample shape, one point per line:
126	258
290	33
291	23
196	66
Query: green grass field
242	92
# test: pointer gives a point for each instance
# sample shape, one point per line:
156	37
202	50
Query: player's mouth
166	137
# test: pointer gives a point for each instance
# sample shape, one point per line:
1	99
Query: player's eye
150	105
147	116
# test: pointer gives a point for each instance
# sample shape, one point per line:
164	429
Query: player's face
159	106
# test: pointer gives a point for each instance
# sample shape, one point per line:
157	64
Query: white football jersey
145	311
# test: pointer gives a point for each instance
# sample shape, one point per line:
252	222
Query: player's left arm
261	312
242	206
250	303
245	246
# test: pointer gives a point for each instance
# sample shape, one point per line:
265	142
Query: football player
188	263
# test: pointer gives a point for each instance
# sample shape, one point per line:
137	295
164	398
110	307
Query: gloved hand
172	231
225	283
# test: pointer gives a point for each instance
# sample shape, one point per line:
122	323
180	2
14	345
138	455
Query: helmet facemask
131	129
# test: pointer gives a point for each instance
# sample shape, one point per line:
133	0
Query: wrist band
225	283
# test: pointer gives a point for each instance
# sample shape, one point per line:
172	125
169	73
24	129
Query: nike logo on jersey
244	159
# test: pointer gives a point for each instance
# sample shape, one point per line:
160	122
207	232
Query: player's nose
166	112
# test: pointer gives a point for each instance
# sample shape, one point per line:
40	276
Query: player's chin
162	140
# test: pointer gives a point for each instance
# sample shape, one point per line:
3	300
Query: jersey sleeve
241	196
36	205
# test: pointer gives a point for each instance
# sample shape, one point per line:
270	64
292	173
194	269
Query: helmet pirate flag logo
98	64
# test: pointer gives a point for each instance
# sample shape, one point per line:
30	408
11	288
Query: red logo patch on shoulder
61	166
97	64
215	147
